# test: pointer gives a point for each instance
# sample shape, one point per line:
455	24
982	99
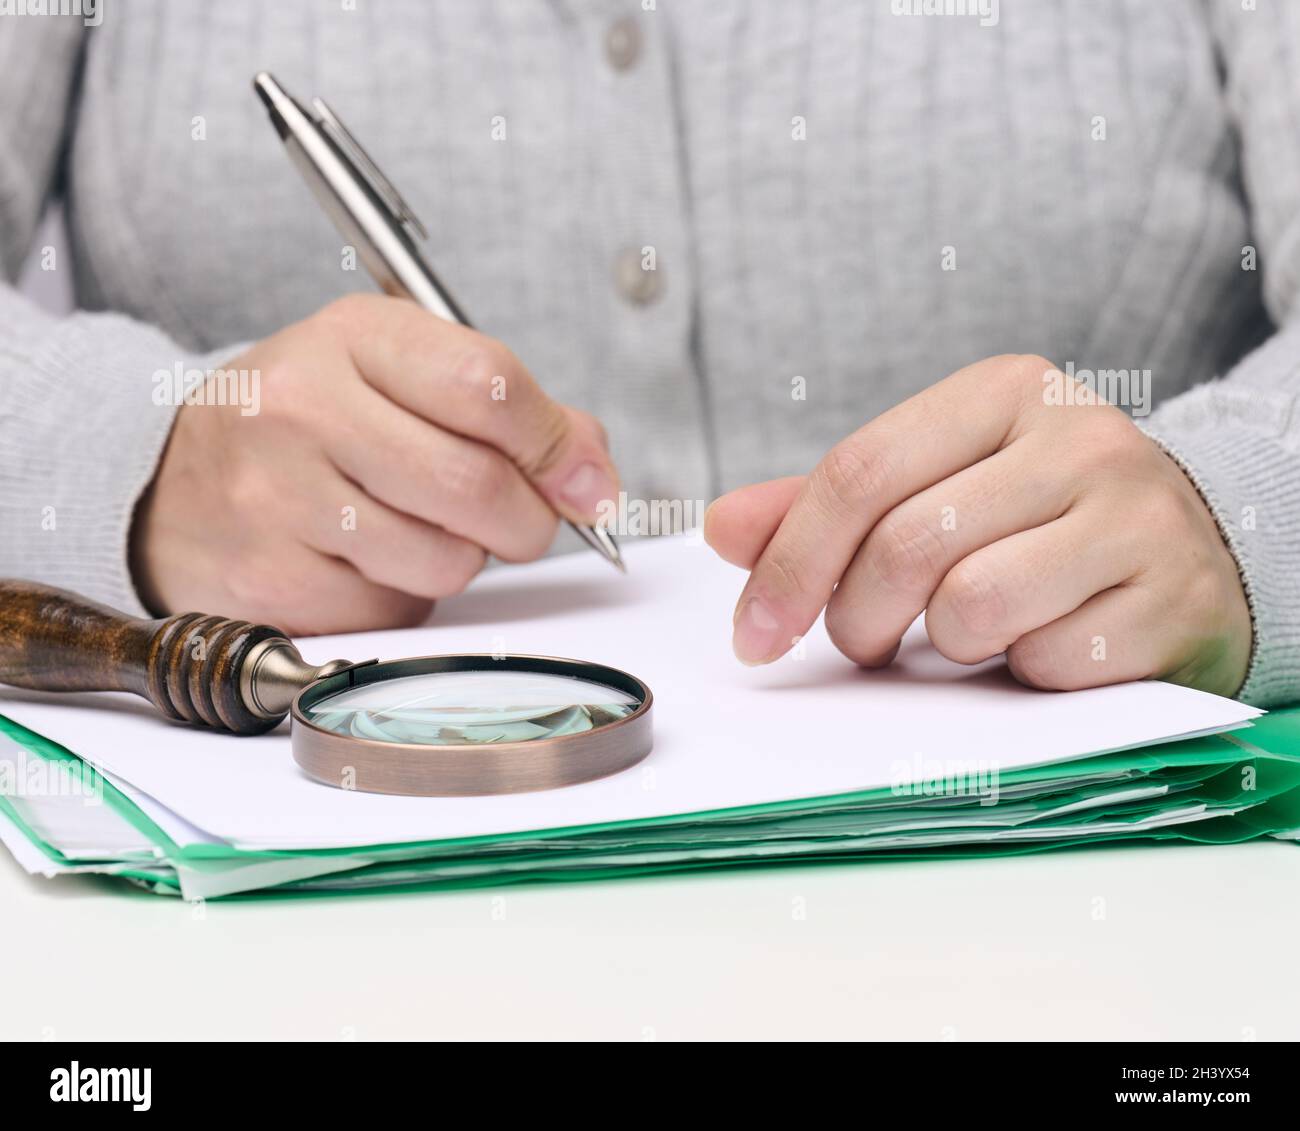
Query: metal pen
371	216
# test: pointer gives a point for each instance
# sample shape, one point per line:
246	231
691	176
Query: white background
1195	943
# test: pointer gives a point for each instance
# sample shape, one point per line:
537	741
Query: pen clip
384	188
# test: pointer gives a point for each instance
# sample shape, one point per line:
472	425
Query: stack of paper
810	758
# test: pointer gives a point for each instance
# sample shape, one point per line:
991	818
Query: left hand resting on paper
1056	533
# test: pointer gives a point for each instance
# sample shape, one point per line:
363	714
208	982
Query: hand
436	437
1058	534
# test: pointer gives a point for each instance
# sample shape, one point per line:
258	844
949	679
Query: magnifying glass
446	726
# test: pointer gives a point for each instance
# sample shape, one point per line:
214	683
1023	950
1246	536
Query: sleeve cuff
81	435
1250	483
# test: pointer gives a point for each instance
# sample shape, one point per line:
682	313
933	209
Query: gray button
623	43
635	283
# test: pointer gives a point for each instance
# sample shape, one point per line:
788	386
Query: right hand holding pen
390	453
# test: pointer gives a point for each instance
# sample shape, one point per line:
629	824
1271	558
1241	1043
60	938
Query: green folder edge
1274	748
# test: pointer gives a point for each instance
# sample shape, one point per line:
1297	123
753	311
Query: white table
1185	943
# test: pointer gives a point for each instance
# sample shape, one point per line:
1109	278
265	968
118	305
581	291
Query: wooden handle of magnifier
189	666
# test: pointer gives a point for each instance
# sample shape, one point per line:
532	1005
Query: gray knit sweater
842	191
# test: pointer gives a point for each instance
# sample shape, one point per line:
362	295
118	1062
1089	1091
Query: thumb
571	465
740	524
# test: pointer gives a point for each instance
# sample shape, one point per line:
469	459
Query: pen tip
602	541
608	547
278	104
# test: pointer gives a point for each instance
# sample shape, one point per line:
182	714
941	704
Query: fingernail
757	633
587	487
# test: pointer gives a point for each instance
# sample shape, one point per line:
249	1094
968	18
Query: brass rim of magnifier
470	769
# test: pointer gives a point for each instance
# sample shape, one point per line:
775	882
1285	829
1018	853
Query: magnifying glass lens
465	708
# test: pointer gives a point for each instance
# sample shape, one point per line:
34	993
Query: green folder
1215	789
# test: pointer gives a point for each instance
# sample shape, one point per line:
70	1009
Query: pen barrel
189	666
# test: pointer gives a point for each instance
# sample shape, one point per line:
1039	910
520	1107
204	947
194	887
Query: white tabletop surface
1143	943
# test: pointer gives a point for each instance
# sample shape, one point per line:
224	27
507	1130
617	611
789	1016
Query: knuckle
301	384
905	553
1020	375
975	600
473	477
1023	372
851	474
1110	440
1029	368
288	395
783	571
410	464
478	371
345	313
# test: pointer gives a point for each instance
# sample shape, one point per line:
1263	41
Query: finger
467	488
388	547
990	599
741	523
472	385
310	594
1116	636
910	551
935	434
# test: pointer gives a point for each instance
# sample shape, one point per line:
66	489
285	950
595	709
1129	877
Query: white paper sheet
30	858
725	735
